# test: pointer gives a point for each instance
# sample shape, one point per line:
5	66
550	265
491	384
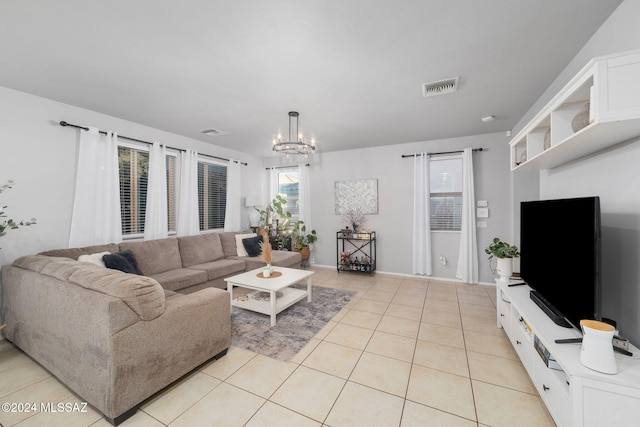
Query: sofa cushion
94	258
142	294
74	253
155	256
228	240
240	250
124	261
200	249
38	262
221	268
278	258
180	278
252	245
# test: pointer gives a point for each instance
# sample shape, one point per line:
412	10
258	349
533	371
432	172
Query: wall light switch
481	224
482	213
482	203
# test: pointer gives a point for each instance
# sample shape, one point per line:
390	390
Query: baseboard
412	276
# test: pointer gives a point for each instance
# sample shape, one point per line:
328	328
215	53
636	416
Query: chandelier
294	145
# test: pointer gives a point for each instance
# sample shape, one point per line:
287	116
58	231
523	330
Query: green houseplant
276	210
500	249
504	253
10	224
303	239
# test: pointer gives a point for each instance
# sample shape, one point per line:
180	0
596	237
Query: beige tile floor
404	352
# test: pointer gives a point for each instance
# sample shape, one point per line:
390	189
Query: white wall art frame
357	194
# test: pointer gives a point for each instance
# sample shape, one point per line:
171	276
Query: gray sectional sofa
116	338
188	264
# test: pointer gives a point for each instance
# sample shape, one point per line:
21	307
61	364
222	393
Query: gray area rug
295	326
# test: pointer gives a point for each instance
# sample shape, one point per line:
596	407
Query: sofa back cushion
74	253
199	249
155	256
228	240
143	295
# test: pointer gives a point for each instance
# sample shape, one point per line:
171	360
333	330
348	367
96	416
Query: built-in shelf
610	85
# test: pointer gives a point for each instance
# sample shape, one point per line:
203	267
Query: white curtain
232	214
96	207
273	184
421	216
304	195
188	218
468	256
156	223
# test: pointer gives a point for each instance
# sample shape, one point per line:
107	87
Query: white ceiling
352	68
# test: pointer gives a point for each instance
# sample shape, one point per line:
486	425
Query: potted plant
10	224
504	253
276	211
354	217
303	239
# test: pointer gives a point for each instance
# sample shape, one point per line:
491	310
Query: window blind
446	193
133	167
212	195
171	192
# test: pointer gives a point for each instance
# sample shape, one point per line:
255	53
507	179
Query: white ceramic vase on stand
504	268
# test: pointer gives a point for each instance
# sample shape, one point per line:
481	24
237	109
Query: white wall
393	224
612	175
40	156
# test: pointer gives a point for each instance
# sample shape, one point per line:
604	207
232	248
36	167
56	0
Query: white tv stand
575	396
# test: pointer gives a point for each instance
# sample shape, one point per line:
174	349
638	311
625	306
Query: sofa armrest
149	355
99	347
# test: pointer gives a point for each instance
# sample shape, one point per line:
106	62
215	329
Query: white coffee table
281	283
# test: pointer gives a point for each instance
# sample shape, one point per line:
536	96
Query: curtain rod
285	167
65	124
442	152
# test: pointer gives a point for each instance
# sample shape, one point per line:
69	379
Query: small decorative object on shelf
355	218
547	139
581	120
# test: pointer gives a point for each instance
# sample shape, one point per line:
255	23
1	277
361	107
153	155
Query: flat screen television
560	257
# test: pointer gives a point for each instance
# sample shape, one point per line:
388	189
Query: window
289	188
212	194
446	193
133	165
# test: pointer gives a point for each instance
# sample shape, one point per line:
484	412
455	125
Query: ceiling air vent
440	88
214	132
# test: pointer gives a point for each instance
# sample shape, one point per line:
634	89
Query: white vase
597	348
505	268
267	271
254	218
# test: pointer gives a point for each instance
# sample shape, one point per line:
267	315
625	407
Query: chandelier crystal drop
295	144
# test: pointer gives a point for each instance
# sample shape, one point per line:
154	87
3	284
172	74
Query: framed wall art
357	194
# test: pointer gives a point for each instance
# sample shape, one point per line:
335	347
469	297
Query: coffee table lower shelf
289	297
273	286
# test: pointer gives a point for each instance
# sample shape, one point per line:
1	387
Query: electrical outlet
620	342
